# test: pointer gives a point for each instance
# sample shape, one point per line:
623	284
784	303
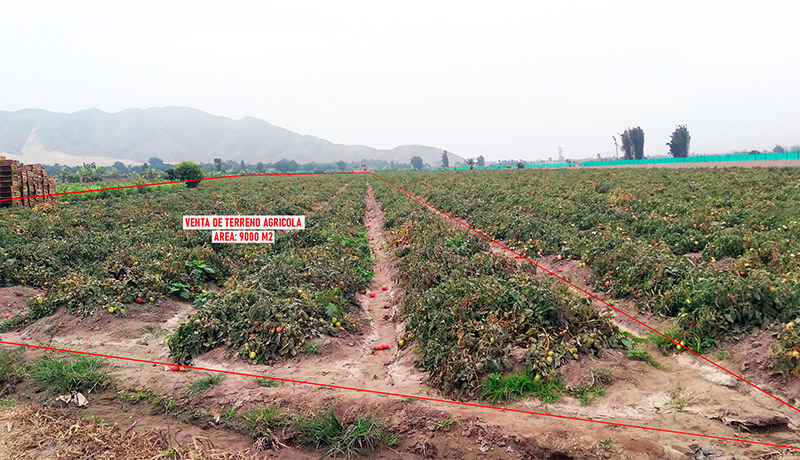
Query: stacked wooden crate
18	181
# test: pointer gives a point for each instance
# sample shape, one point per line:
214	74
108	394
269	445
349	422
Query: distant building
362	168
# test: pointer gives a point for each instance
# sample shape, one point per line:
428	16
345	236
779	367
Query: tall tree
679	142
637	138
778	149
627	145
341	165
445	160
481	161
471	163
218	164
633	143
416	162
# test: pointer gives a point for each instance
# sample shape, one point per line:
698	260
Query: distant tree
218	164
481	162
637	138
471	163
144	167
242	166
188	171
416	163
260	167
679	142
778	149
151	174
285	166
120	166
157	163
520	165
627	145
633	143
341	165
445	160
753	152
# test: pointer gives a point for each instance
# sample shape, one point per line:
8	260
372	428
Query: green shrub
186	170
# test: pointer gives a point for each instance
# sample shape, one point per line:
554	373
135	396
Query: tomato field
382	291
715	251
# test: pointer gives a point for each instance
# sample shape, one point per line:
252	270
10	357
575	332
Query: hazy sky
502	79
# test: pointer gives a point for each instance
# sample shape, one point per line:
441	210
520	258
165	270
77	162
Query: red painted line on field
178	182
422	397
399	395
520	256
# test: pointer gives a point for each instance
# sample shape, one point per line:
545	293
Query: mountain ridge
176	133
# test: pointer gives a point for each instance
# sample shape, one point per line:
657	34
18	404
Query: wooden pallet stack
18	180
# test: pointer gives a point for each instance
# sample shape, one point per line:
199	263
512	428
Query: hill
174	134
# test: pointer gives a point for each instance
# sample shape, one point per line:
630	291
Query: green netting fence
700	159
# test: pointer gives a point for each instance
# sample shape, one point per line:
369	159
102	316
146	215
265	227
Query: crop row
472	313
278	300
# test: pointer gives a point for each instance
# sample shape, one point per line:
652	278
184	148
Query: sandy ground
685	395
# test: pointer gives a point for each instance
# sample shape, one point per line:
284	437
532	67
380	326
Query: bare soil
685	394
14	300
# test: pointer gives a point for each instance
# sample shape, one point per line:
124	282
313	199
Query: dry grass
38	433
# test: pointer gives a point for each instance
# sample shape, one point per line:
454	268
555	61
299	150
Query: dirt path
352	360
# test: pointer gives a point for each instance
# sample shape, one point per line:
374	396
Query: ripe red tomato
278	330
474	323
174	368
138	300
256	323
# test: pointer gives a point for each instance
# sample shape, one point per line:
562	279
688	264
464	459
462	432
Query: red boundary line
413	396
386	393
176	182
